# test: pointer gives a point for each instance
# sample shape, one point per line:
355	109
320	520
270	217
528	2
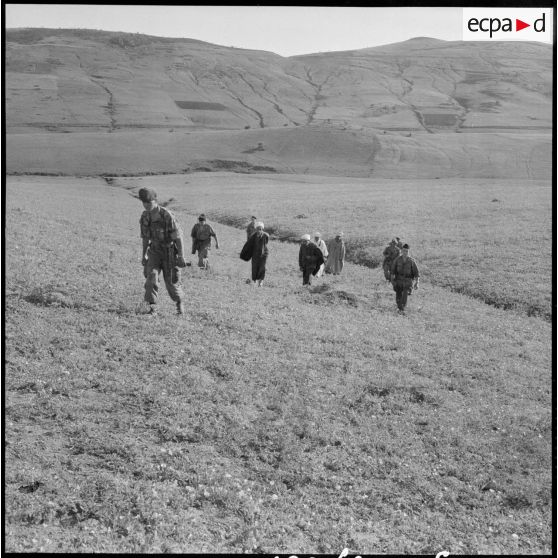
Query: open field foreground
277	419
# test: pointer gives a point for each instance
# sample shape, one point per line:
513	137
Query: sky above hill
284	30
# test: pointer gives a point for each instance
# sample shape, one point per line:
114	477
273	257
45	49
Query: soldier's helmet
147	194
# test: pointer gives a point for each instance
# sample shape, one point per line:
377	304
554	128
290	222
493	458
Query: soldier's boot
180	308
260	282
152	309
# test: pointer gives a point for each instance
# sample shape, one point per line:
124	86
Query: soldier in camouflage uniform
162	250
201	241
403	271
390	253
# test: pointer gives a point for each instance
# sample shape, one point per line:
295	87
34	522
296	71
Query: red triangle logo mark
519	25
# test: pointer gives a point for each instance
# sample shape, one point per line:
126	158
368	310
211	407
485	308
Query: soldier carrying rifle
390	253
404	271
162	250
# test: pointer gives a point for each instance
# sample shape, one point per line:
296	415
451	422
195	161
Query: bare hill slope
377	111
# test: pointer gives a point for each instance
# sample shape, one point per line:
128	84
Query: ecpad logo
507	24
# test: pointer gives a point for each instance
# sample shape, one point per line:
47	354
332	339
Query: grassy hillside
75	78
268	420
88	102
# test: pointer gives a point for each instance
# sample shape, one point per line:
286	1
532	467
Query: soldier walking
162	250
201	241
390	253
403	271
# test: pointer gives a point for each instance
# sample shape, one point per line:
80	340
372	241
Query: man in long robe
323	247
255	248
310	259
336	257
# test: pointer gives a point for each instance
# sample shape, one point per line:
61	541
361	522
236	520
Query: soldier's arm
215	237
145	244
144	238
179	247
416	273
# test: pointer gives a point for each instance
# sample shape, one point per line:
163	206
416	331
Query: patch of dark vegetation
391	399
332	296
517	501
442	120
489	106
530	309
199	105
230	166
29	488
363	252
50	295
38	173
260	147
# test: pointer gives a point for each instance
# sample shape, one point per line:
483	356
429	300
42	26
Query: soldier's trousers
157	262
203	252
258	268
401	286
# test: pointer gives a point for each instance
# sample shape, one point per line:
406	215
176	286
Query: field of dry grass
277	419
303	150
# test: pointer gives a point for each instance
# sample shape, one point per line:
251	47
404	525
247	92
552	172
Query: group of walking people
163	251
314	259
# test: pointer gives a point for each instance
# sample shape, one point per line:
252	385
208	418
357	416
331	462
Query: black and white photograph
278	280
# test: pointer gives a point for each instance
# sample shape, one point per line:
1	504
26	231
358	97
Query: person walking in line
162	251
310	259
251	228
390	253
404	271
255	248
336	257
322	246
201	241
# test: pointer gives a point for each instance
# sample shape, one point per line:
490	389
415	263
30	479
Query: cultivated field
277	419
